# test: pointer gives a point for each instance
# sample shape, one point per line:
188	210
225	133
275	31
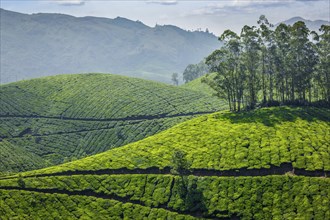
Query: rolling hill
269	163
197	85
56	119
47	44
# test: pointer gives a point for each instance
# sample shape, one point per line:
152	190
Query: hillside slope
197	85
225	141
64	117
266	164
46	44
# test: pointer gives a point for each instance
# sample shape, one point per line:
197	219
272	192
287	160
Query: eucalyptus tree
282	65
267	48
282	38
250	57
304	58
229	79
236	68
322	76
221	82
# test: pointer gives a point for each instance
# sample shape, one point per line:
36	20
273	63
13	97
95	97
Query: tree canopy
266	66
193	71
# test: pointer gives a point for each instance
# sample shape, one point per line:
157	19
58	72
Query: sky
216	15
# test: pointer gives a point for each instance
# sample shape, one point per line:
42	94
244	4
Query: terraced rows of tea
62	118
155	196
270	163
198	85
224	141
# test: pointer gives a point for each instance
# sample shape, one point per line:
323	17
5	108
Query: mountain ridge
313	25
46	44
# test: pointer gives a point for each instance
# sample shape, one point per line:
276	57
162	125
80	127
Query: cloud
163	2
70	2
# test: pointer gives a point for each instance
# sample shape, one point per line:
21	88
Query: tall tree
282	38
265	66
251	57
303	60
323	68
229	79
267	48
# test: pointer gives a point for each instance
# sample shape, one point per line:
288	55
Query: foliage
225	141
14	158
220	141
194	71
52	120
264	197
20	182
180	165
271	67
33	205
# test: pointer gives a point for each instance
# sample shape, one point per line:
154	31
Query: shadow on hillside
273	116
195	202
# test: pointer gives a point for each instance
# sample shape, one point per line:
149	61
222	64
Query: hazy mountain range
47	44
312	25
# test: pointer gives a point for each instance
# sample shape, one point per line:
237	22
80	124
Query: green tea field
57	119
270	163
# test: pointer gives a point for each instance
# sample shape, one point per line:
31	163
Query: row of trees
288	64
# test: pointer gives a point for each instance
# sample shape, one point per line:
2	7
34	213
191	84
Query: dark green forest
270	66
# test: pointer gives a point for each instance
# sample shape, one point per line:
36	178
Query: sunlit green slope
65	117
198	85
265	164
224	141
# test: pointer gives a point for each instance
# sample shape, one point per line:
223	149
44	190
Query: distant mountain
47	44
312	25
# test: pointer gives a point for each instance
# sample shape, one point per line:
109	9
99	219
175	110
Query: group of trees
194	71
269	66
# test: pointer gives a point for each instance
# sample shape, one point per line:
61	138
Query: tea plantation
224	141
270	163
56	119
198	85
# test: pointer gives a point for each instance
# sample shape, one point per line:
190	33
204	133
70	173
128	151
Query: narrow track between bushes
284	168
130	118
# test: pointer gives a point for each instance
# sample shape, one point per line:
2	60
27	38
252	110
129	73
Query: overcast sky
190	15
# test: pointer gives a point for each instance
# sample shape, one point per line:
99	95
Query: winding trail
130	118
273	170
